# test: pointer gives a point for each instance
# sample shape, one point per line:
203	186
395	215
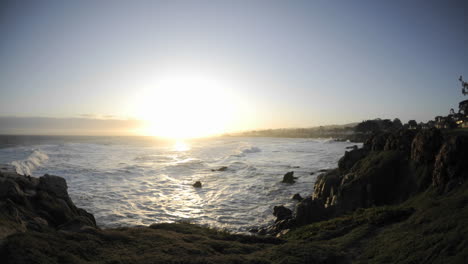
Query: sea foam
34	160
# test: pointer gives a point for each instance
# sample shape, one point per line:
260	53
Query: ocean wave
34	160
246	151
251	150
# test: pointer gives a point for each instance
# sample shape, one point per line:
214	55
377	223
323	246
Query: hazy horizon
198	68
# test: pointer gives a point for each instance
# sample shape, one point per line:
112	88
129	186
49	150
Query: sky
190	68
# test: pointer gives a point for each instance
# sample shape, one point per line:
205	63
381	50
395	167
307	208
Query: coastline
348	219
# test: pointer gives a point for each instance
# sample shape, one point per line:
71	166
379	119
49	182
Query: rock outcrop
390	168
289	177
426	145
38	204
451	164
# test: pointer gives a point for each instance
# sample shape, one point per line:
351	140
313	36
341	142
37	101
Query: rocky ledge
387	170
39	204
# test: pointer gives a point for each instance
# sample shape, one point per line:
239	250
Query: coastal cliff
401	198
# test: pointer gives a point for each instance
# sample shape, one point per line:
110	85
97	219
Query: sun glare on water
186	106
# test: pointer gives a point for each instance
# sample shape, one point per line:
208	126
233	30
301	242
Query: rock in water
289	177
197	184
297	197
223	168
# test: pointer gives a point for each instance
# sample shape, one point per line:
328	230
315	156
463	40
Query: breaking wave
34	160
251	150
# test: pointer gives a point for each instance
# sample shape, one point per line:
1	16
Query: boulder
53	185
451	164
311	210
289	177
29	203
197	184
281	213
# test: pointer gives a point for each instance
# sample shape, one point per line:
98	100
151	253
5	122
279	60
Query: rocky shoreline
387	170
402	197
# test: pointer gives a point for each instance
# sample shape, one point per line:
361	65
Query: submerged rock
297	197
289	177
223	168
197	184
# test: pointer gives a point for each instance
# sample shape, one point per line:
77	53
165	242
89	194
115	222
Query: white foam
251	150
33	161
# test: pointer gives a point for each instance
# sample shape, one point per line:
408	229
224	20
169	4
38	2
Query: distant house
442	122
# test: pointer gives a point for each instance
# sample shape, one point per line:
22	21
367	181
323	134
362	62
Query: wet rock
451	165
281	213
223	168
312	173
426	145
289	177
197	184
297	197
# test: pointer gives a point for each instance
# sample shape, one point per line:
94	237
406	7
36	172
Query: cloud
68	126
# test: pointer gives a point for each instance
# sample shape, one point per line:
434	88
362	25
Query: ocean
127	181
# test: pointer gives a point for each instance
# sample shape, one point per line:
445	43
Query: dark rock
352	147
326	184
310	211
312	173
376	142
426	145
297	197
10	189
289	177
400	140
43	204
281	213
350	158
323	170
53	184
223	168
197	184
451	165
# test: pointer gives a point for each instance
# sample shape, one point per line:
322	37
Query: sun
181	106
